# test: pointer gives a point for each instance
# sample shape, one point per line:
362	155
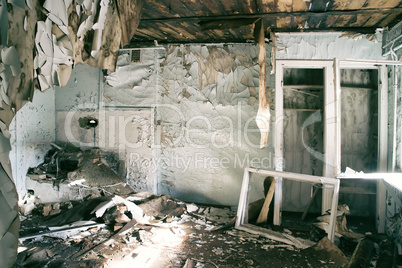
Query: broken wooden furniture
242	212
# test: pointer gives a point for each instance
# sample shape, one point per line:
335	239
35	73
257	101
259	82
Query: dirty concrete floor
186	241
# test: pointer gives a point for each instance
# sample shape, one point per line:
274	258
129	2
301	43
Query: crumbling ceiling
209	21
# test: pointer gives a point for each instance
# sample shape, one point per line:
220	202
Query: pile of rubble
148	230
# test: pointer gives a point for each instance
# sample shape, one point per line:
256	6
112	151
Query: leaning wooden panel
242	217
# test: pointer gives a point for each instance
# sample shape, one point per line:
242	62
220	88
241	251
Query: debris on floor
72	173
148	230
341	228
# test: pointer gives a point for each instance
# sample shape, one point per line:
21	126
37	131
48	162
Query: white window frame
330	169
332	125
242	211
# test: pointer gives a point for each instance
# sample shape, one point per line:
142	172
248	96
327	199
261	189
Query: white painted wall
323	46
81	91
31	130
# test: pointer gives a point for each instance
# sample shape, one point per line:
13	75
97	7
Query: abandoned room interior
182	133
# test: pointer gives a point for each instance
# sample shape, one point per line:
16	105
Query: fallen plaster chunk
9	56
136	212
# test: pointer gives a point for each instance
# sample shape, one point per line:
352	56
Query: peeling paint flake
57	11
9	56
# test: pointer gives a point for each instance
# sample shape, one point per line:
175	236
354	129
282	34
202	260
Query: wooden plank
321	5
210	8
299	22
359	20
374	19
163	27
285	6
129	13
363	254
265	232
228	6
387	20
156	9
225	24
148	28
263	114
267	6
343	21
273	14
181	9
347	4
177	26
317	21
192	29
141	33
382	4
262	218
247	32
283	22
249	6
299	5
235	33
62	231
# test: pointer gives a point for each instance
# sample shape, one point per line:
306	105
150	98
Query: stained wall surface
32	130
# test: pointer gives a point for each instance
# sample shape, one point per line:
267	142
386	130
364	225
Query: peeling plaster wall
31	130
322	46
207	128
133	83
205	100
127	134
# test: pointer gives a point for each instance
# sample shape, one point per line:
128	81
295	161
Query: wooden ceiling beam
278	14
